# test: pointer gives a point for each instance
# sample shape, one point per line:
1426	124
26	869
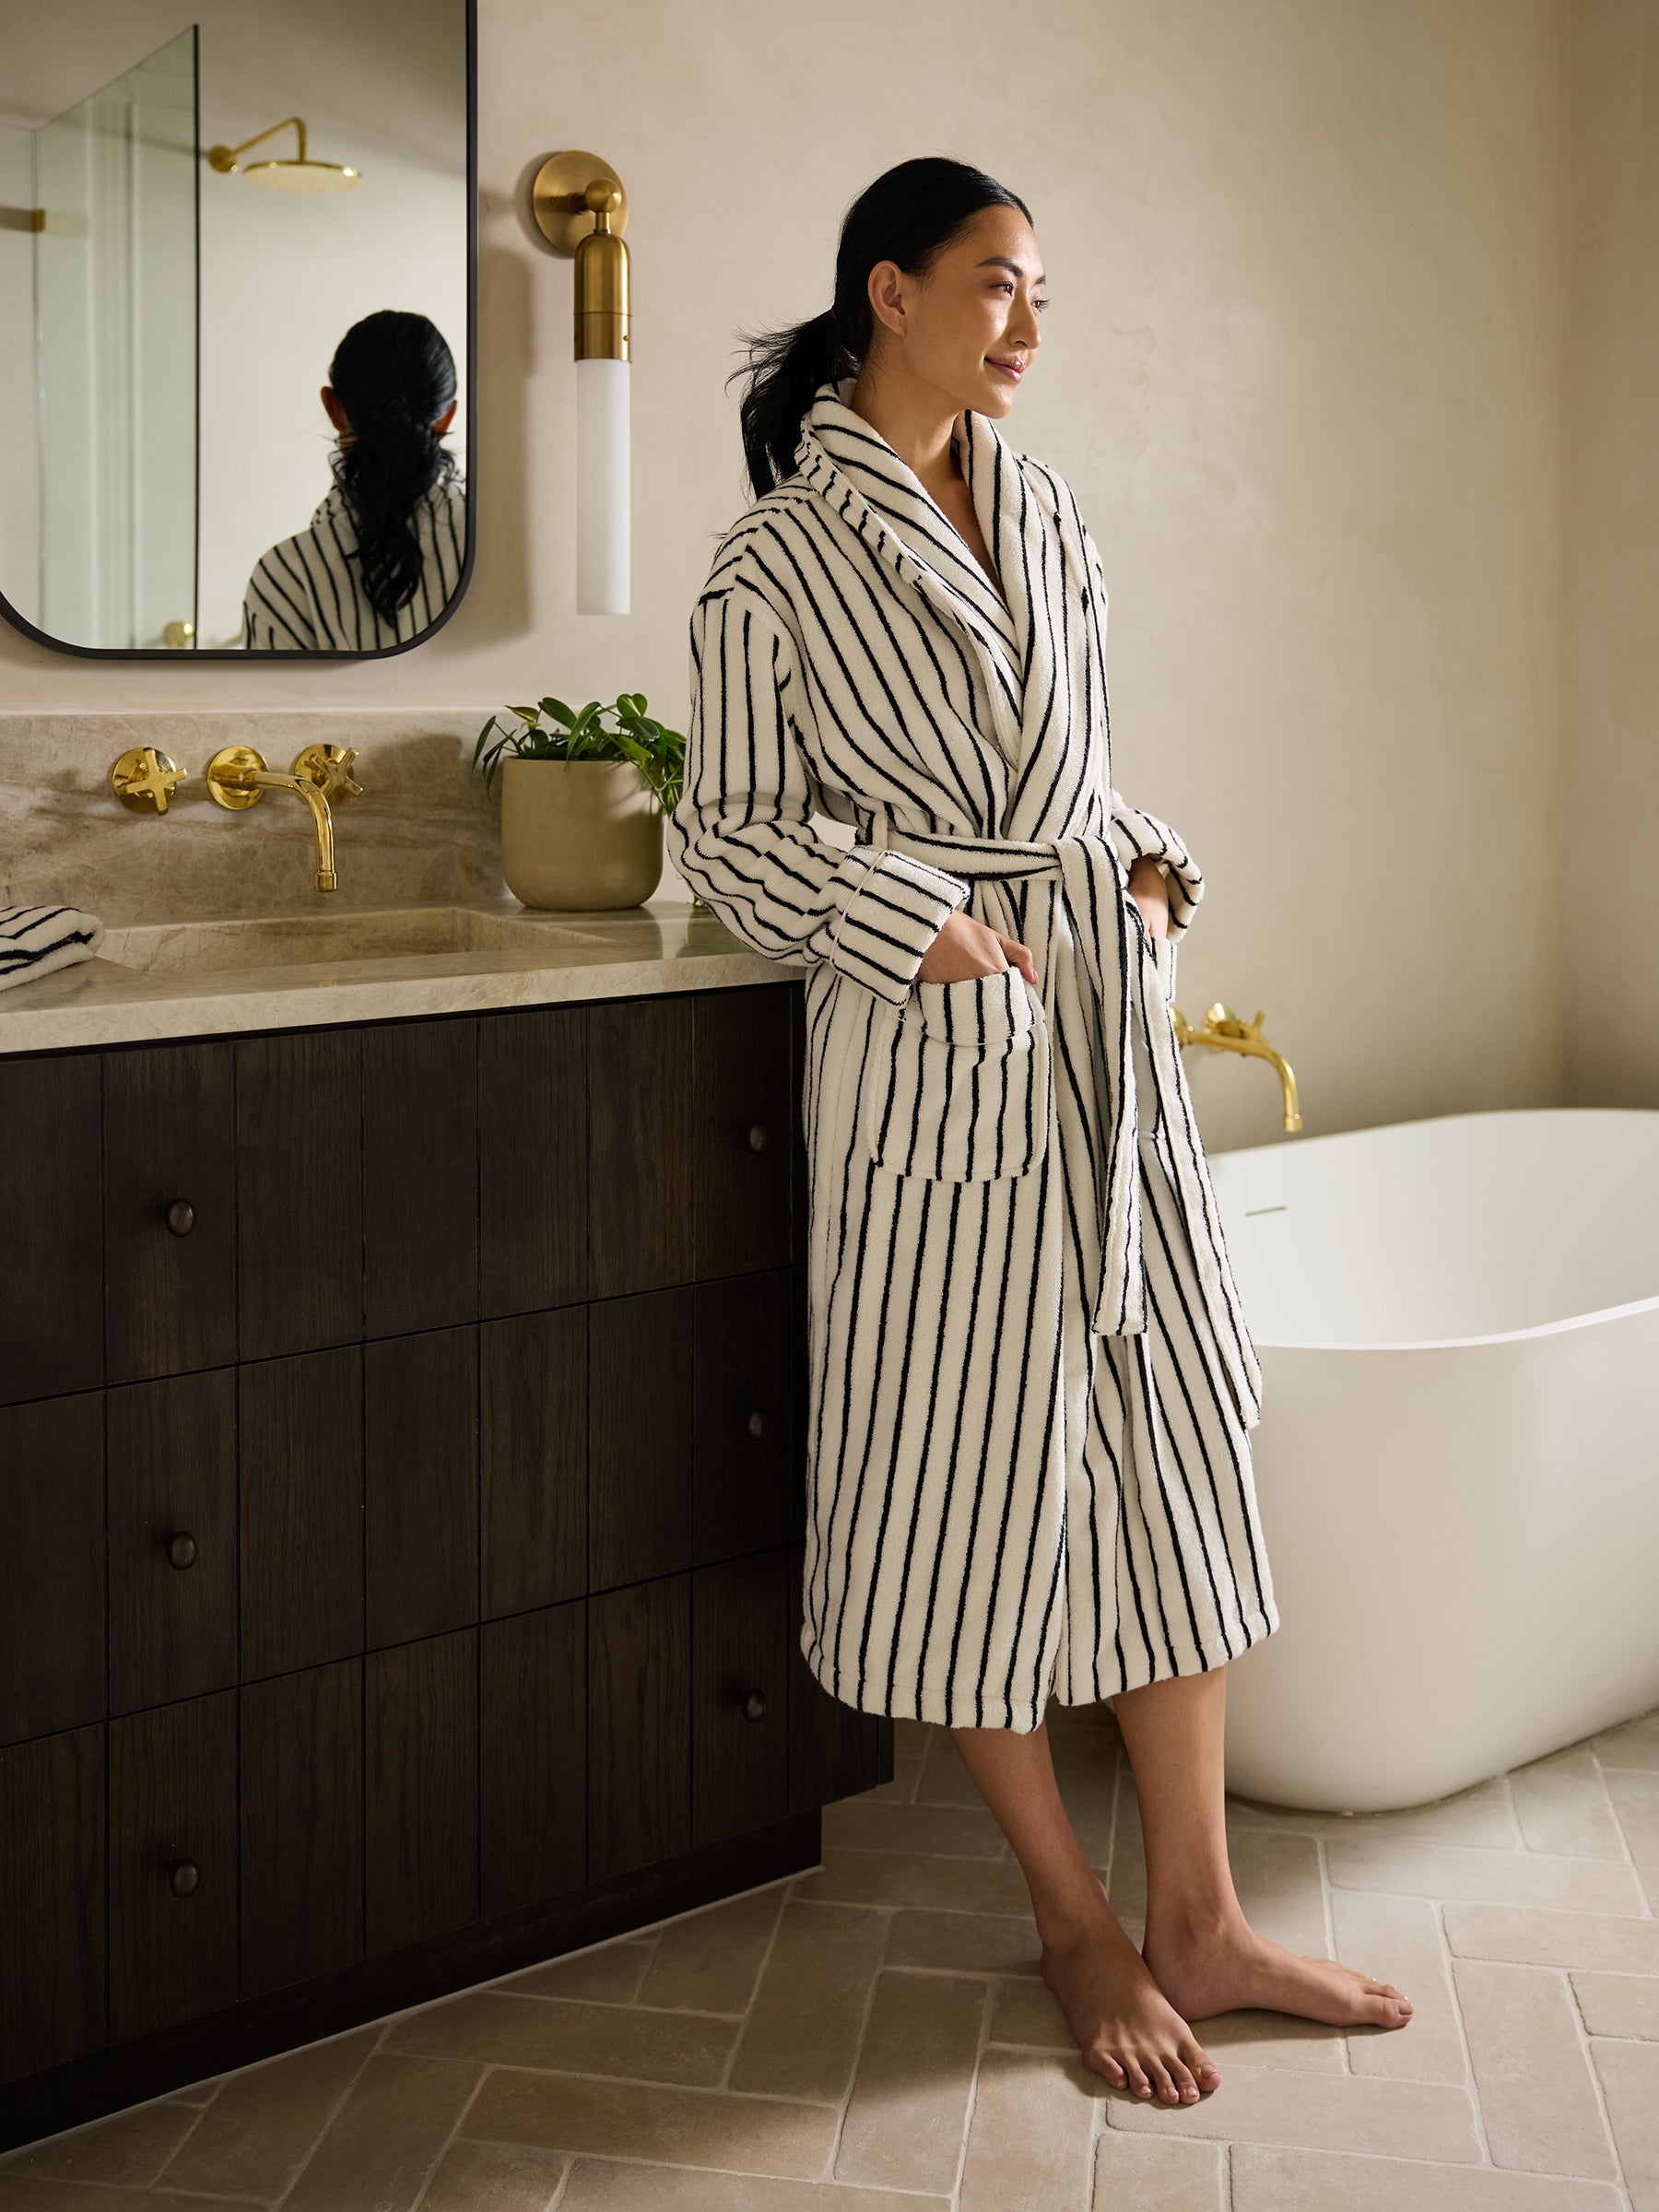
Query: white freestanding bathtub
1458	1456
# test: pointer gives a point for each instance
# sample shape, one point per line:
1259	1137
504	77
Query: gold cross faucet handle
329	768
143	778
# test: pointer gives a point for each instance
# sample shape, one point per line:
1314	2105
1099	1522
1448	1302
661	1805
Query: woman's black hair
393	375
908	215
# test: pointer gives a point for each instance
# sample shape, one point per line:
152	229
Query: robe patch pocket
958	1088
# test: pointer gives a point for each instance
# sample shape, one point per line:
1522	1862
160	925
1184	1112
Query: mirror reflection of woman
384	552
1029	1474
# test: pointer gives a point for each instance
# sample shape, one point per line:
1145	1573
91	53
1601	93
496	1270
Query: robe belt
1096	894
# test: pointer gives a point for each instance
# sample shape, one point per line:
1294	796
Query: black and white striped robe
306	592
1029	1471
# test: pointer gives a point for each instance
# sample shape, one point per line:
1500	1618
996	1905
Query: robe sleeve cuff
1138	835
891	908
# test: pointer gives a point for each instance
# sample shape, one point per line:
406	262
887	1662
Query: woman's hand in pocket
1151	896
964	948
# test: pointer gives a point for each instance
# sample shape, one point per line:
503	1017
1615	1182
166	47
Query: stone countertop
476	956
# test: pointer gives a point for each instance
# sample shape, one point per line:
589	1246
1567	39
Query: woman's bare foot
1231	1968
1126	2029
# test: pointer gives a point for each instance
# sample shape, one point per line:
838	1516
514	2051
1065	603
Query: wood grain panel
739	1695
744	1140
534	1374
50	1227
172	1450
640	1152
302	1814
640	1459
420	1175
741	1414
301	1444
169	1136
421	1790
298	1190
420	1484
532	1756
533	1165
173	1809
638	1725
52	1565
51	1901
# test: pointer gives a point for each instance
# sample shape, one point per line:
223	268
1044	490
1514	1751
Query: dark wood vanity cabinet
401	1436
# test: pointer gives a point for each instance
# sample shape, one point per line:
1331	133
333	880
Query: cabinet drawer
172	1865
638	1725
421	1790
170	1211
50	1227
741	1377
298	1190
534	1459
744	1116
172	1539
532	1756
51	1901
300	1427
639	1437
420	1175
51	1566
639	1121
740	1697
533	1159
420	1484
301	1812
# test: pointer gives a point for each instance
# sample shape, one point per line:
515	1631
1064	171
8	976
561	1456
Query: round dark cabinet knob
181	1549
757	1424
180	1216
754	1705
182	1875
757	1139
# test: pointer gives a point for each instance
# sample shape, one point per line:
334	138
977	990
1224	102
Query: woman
1031	1382
384	550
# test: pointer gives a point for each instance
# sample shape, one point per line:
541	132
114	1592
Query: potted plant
584	792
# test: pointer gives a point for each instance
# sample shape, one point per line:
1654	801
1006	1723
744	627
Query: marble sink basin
391	933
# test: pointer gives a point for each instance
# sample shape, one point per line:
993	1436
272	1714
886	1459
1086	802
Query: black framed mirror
238	324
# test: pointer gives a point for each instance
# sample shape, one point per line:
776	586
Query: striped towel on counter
36	939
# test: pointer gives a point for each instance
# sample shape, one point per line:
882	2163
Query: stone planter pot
579	833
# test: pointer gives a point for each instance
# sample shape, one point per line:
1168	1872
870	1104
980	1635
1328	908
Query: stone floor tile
1587	1942
904	1877
1244	1812
1027	2013
631	2120
492	2177
709	1960
611	2186
1630	2080
1634	1744
611	1974
130	2148
802	2035
197	2092
1397	1939
1145	2173
1456	1874
267	2119
1618	2004
1562	1806
386	2137
1270	2039
913	1735
34	2193
949	1831
1267	2179
944	1779
902	1789
1126	1877
1537	2099
565	2035
963	1943
1279	1886
1318	2111
1636	1806
908	2107
1482	1818
1031	2135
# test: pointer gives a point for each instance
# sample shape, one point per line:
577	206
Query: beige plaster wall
1303	369
1612	911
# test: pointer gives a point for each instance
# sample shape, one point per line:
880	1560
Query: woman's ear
445	419
334	410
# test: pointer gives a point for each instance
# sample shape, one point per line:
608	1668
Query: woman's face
969	327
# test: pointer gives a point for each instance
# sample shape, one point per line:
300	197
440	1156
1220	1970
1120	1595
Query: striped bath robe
1032	1386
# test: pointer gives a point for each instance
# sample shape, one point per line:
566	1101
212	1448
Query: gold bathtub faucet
238	777
1222	1028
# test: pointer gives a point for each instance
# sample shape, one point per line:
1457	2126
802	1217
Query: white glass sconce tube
602	486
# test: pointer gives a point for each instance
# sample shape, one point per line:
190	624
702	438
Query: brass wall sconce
580	210
294	174
1222	1028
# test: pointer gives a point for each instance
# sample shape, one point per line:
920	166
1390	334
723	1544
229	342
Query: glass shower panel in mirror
236	271
113	442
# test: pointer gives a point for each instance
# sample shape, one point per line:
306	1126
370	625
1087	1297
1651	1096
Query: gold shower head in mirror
299	174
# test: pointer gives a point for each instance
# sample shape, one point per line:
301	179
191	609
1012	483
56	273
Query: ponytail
908	215
393	375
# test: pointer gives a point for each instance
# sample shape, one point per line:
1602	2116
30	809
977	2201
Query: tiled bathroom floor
871	2037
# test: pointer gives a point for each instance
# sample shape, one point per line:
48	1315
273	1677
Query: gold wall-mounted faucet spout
1222	1028
238	777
